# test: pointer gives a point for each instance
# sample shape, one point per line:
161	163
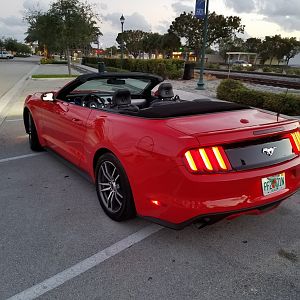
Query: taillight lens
295	140
207	160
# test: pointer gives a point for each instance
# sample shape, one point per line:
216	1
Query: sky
261	17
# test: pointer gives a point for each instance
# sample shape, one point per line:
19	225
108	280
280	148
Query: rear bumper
209	219
185	198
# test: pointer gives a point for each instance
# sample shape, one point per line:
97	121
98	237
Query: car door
64	128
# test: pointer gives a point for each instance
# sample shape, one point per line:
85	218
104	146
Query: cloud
180	7
16	32
163	27
13	21
134	21
241	6
34	5
108	39
284	13
103	6
289	23
279	7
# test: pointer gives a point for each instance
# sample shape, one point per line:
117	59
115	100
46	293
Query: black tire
34	142
113	188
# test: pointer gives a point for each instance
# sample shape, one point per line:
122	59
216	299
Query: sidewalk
55	69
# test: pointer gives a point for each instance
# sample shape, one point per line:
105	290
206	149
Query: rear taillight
295	140
207	160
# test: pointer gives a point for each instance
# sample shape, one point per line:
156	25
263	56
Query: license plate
273	184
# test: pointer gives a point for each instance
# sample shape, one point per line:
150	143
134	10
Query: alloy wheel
109	187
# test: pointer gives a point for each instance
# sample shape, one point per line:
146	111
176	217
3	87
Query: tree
133	41
152	43
219	28
22	48
290	48
170	42
231	45
110	51
44	28
11	44
268	48
252	45
1	44
68	24
281	48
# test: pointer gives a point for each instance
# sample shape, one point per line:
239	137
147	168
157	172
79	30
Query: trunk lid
223	121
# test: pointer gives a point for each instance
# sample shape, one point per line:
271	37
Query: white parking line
13	120
19	157
85	265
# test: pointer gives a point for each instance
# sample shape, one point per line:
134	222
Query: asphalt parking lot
57	243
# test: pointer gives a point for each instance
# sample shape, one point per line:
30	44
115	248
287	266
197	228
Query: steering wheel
92	100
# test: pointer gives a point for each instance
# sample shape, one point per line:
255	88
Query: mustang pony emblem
269	151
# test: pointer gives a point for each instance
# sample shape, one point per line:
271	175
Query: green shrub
267	69
237	68
167	68
250	69
285	104
227	86
278	70
111	69
213	66
44	61
289	71
234	91
176	74
59	62
297	72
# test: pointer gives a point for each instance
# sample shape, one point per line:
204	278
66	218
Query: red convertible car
166	159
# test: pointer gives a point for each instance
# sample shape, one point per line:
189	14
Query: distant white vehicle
242	63
6	54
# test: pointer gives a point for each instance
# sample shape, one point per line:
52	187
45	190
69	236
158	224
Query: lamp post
122	20
200	83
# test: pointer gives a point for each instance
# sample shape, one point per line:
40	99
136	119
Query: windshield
110	85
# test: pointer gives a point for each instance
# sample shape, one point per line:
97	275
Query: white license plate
273	184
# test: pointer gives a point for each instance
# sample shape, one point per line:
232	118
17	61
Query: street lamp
122	20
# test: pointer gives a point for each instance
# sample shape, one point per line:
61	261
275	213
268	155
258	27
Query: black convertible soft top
185	108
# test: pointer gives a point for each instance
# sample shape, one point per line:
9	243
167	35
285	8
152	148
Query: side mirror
48	97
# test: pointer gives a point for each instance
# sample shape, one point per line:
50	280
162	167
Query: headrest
121	97
165	90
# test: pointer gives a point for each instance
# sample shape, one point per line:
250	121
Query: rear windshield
110	85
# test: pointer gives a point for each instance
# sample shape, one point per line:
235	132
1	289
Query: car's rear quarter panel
147	149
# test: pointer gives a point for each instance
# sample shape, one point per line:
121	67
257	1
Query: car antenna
280	109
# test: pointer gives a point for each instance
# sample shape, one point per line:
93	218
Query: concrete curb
83	68
64	78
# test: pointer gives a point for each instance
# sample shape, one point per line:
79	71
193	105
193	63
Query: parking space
51	220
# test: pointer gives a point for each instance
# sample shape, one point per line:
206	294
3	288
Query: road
56	242
12	70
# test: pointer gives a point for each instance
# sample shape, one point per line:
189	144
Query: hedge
44	61
167	68
235	91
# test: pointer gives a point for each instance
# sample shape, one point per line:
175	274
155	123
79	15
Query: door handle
77	121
